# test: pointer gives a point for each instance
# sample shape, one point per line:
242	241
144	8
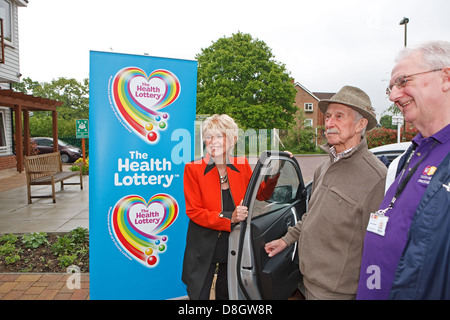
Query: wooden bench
46	169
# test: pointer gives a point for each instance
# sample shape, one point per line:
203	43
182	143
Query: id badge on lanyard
377	223
378	220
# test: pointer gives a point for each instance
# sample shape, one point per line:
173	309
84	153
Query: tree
300	137
386	121
73	94
239	76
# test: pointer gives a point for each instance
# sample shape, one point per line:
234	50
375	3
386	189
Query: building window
2	129
308	107
308	122
5	14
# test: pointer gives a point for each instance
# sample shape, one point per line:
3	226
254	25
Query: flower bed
41	252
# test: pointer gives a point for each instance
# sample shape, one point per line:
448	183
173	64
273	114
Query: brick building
309	102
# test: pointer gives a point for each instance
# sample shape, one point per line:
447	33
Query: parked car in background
68	152
390	151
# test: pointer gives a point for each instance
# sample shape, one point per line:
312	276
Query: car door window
44	142
277	189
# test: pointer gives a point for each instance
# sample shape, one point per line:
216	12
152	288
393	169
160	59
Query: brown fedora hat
356	99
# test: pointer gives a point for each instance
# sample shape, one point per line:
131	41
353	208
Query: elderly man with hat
347	187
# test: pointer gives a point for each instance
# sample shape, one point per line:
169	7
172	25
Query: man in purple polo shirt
406	251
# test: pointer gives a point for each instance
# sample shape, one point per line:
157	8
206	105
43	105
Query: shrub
8	250
84	168
63	245
79	235
382	136
9	238
34	239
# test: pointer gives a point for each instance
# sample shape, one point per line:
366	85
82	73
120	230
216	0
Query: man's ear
362	123
446	79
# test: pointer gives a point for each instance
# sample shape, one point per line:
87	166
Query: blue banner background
114	274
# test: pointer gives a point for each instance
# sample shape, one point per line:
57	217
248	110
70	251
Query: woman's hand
239	214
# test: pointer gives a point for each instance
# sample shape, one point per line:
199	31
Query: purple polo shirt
381	254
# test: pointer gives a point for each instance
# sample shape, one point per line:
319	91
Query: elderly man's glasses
402	80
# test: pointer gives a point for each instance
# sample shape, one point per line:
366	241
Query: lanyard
402	184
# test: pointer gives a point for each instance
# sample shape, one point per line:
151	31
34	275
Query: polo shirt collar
441	136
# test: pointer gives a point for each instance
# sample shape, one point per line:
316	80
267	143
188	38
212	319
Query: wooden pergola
22	104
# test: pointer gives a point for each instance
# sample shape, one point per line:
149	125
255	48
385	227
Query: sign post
397	120
82	131
142	115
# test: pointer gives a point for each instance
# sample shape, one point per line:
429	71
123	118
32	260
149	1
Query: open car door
276	199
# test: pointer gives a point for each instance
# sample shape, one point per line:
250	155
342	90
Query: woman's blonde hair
222	123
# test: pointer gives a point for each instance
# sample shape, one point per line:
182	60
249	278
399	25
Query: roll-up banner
142	115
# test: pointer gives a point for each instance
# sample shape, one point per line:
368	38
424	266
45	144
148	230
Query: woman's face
217	144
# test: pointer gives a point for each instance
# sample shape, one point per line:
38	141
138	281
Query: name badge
377	224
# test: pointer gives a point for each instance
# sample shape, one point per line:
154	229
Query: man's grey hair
436	54
358	116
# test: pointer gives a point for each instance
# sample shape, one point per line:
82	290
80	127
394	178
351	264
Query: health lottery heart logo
138	99
136	225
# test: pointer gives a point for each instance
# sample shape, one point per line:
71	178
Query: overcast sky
325	44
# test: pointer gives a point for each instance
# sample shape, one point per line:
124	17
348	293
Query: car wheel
65	158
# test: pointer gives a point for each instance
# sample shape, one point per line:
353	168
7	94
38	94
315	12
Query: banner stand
141	122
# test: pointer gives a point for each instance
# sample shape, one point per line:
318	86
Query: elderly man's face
419	98
340	127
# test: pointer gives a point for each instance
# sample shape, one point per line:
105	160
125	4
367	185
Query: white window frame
8	23
3	148
308	122
308	107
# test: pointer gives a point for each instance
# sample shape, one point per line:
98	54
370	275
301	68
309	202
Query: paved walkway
70	211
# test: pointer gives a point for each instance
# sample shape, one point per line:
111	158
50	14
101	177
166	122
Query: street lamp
404	22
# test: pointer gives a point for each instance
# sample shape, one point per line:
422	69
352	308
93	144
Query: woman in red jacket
214	188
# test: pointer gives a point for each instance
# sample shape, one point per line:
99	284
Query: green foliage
12	258
71	243
79	235
382	136
8	250
84	167
300	138
63	246
73	94
70	247
239	76
67	260
11	238
386	121
34	239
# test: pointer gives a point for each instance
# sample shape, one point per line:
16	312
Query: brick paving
40	286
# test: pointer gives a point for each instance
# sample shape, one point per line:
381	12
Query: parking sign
82	128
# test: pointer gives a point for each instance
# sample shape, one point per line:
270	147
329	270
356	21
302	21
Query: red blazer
203	193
